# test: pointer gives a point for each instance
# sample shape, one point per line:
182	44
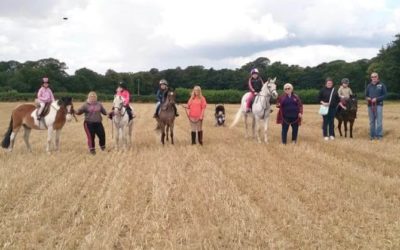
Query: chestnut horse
25	115
166	117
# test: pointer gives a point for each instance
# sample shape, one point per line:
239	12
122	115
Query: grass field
232	193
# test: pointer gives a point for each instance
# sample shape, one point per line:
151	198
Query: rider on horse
160	95
255	85
124	93
44	96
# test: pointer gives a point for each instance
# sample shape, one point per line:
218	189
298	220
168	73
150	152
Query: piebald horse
121	123
25	115
260	110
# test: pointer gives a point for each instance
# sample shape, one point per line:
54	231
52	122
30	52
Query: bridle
120	108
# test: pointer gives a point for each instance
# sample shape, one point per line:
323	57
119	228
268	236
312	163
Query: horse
121	123
347	115
25	115
166	117
260	109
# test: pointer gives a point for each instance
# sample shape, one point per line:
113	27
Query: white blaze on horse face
69	116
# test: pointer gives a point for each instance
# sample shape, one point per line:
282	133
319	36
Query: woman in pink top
44	95
196	106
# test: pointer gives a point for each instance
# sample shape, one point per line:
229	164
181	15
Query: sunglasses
287	88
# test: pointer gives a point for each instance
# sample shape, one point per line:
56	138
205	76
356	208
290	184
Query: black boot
200	134
193	138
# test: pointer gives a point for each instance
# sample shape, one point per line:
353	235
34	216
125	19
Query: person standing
329	97
93	121
196	105
290	112
375	94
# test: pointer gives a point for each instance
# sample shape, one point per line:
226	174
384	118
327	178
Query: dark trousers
286	123
92	129
328	124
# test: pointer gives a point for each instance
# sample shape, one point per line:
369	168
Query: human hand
373	100
300	115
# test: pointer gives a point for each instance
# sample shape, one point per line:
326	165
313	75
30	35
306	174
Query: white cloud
132	35
308	55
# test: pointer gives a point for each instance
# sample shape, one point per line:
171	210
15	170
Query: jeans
375	121
328	124
285	128
158	104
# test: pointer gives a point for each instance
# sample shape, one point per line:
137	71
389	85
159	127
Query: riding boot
176	111
193	138
200	134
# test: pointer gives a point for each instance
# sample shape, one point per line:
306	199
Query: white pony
121	123
260	109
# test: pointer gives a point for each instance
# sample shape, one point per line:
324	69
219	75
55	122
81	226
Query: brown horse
348	115
25	115
166	116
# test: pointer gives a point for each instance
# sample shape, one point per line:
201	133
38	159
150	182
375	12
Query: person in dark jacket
375	94
93	121
290	112
255	85
328	96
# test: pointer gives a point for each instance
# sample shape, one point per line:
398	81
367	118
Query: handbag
323	110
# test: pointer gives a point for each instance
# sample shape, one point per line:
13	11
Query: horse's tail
237	118
7	136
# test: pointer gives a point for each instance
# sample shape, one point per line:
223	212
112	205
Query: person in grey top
93	121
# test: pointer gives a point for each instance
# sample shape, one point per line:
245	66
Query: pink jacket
196	107
45	95
126	95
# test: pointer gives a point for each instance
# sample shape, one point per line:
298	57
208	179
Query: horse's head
118	104
170	97
66	102
352	103
269	88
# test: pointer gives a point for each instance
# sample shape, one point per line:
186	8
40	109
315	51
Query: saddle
45	111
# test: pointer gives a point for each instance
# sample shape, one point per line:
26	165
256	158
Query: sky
137	35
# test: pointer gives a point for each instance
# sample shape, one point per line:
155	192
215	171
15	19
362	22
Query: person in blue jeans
324	98
375	94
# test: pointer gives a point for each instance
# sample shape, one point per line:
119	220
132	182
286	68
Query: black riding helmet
122	85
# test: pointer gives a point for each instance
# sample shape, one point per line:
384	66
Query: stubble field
231	193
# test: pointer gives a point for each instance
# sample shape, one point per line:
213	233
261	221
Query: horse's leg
351	128
266	119
162	127
49	138
171	128
345	128
253	127
58	133
130	132
27	132
340	127
167	132
116	137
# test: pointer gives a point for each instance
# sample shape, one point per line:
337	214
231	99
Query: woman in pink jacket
44	96
196	105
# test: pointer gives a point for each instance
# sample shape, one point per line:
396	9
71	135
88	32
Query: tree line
26	77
